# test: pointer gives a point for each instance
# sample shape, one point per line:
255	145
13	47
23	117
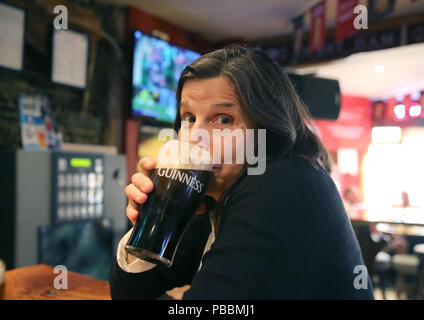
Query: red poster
317	35
353	127
344	19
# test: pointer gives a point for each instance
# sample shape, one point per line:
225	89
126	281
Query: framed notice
39	129
33	129
70	58
12	32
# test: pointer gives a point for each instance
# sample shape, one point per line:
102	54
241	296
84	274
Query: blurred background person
351	201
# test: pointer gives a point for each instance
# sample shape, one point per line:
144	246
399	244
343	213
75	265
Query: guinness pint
180	180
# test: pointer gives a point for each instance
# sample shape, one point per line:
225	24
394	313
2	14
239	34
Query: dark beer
177	193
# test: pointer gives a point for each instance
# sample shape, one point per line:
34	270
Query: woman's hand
137	192
139	187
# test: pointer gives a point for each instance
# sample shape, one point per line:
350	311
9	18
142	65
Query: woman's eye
224	120
188	117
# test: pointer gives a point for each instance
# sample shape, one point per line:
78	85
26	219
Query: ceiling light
386	134
379	68
415	110
400	111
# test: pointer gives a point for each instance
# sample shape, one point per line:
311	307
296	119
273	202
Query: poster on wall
378	9
12	30
39	130
70	58
345	18
298	35
353	127
318	24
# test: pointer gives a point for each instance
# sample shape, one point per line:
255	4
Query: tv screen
157	66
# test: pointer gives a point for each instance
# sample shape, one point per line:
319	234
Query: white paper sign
70	58
12	24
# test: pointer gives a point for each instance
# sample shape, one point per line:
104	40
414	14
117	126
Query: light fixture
379	68
386	134
400	111
415	110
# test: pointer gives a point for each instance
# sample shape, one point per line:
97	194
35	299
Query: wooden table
36	283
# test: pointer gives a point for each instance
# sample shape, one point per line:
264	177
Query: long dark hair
267	95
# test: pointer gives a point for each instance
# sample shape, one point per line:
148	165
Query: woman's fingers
135	194
132	211
135	197
140	185
142	182
147	164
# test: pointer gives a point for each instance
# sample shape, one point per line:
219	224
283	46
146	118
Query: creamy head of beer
183	155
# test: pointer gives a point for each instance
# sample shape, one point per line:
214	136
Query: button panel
78	187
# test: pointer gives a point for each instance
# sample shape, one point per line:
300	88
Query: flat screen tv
157	66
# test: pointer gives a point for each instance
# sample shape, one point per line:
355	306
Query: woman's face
210	104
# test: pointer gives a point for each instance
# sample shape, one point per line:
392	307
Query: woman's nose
200	135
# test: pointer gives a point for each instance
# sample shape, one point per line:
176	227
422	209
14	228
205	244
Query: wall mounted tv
157	66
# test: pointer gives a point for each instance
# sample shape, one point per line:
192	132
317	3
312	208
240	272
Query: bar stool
383	263
406	265
419	251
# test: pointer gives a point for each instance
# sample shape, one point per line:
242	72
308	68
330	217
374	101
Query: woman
280	235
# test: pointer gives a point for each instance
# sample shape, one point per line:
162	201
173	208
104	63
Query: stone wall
91	116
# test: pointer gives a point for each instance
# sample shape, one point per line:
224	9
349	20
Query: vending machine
62	208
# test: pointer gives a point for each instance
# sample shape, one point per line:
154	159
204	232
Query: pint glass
180	179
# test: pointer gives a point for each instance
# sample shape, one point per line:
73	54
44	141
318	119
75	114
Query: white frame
12	36
70	58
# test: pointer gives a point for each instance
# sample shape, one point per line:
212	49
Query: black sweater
282	235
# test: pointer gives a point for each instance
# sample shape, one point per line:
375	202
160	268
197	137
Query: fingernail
146	185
